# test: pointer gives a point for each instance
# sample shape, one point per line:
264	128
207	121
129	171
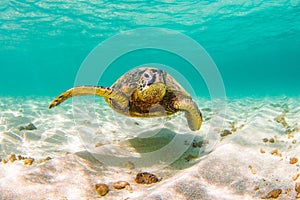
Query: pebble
296	177
297	188
197	144
275	152
28	161
262	150
225	133
271	140
12	158
146	178
29	127
253	171
121	185
273	194
293	160
102	189
265	140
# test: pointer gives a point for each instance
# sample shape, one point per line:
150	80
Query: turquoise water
46	45
255	44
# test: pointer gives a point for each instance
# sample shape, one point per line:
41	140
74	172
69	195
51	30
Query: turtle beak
151	86
153	93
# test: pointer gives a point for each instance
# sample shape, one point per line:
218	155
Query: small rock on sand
225	133
121	185
29	127
273	194
146	178
293	160
297	188
102	189
28	161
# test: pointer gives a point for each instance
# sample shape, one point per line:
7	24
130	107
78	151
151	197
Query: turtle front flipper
191	111
106	92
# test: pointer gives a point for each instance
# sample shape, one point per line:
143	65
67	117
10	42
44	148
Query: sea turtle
142	92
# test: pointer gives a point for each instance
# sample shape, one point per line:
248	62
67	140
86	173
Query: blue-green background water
255	44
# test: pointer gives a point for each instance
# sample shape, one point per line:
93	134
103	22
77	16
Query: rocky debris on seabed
273	194
66	177
225	132
26	160
28	127
102	189
191	157
146	178
12	158
288	128
121	185
271	140
276	152
221	175
293	160
262	150
297	189
296	177
281	120
198	144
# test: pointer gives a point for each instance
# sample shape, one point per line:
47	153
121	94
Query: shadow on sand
163	149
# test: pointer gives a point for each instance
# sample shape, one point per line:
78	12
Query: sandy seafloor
90	144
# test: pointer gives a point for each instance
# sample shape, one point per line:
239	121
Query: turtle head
152	85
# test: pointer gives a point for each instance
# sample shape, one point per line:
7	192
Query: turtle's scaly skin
142	92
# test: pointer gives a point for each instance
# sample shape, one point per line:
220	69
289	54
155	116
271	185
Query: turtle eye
146	75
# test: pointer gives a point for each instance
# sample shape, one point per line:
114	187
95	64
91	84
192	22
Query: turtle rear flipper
191	111
106	92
